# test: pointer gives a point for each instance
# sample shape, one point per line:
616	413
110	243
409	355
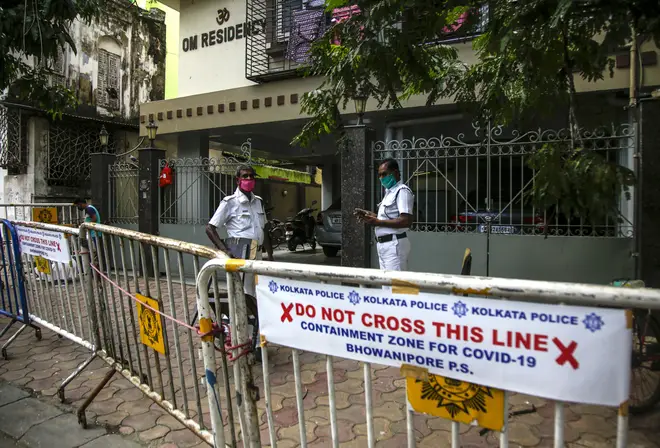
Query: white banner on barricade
565	353
44	243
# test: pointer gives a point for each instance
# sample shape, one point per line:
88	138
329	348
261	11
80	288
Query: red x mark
286	312
566	353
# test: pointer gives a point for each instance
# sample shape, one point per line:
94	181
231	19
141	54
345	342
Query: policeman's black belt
388	238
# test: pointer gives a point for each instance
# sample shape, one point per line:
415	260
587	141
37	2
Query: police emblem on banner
455	400
151	324
42	265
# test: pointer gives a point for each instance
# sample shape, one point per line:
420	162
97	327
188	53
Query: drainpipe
634	109
389	136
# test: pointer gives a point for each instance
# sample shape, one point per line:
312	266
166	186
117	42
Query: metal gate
123	179
198	186
475	192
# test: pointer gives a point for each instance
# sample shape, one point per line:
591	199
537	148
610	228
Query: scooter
299	230
275	229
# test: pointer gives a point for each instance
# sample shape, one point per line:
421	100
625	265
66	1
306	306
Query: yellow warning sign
151	324
45	214
457	400
42	265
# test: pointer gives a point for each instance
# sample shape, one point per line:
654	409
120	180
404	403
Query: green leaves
580	182
526	59
35	31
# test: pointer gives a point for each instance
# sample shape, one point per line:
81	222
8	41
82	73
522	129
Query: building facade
120	64
239	79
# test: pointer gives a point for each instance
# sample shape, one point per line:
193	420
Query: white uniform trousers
393	255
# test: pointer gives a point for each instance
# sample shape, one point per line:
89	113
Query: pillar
326	186
649	193
149	159
149	219
355	175
100	183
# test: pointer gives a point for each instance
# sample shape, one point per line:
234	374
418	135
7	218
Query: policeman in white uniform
242	214
395	215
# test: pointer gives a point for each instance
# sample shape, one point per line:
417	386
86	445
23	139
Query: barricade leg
12	339
78	371
208	354
82	419
244	381
223	359
7	327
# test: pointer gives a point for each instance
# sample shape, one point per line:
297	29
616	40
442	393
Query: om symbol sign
223	16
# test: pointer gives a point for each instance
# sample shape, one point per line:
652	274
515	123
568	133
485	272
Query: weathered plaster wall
139	38
172	39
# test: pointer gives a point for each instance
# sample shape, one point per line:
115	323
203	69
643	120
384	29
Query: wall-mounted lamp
103	137
152	130
360	106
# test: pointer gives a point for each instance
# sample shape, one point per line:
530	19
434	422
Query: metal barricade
492	288
13	303
130	298
51	213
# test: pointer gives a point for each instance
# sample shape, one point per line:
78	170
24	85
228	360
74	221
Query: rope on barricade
135	299
215	330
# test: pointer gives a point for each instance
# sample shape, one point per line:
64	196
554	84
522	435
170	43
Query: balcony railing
291	27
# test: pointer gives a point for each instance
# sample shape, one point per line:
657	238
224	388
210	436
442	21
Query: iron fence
198	186
460	181
123	179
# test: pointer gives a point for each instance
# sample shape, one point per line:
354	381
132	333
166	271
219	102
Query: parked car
506	218
328	229
521	218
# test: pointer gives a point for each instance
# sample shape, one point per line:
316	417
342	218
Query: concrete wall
568	259
20	189
286	205
620	80
172	41
212	50
139	41
312	193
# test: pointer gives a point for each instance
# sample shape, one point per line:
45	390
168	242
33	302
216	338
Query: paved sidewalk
41	365
28	422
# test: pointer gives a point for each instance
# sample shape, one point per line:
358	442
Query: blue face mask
388	181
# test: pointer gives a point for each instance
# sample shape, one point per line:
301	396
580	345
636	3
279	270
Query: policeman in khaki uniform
395	215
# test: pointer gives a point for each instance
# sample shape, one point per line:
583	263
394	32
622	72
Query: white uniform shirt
243	217
397	200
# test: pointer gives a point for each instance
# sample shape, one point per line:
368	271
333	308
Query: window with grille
57	70
108	90
13	140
